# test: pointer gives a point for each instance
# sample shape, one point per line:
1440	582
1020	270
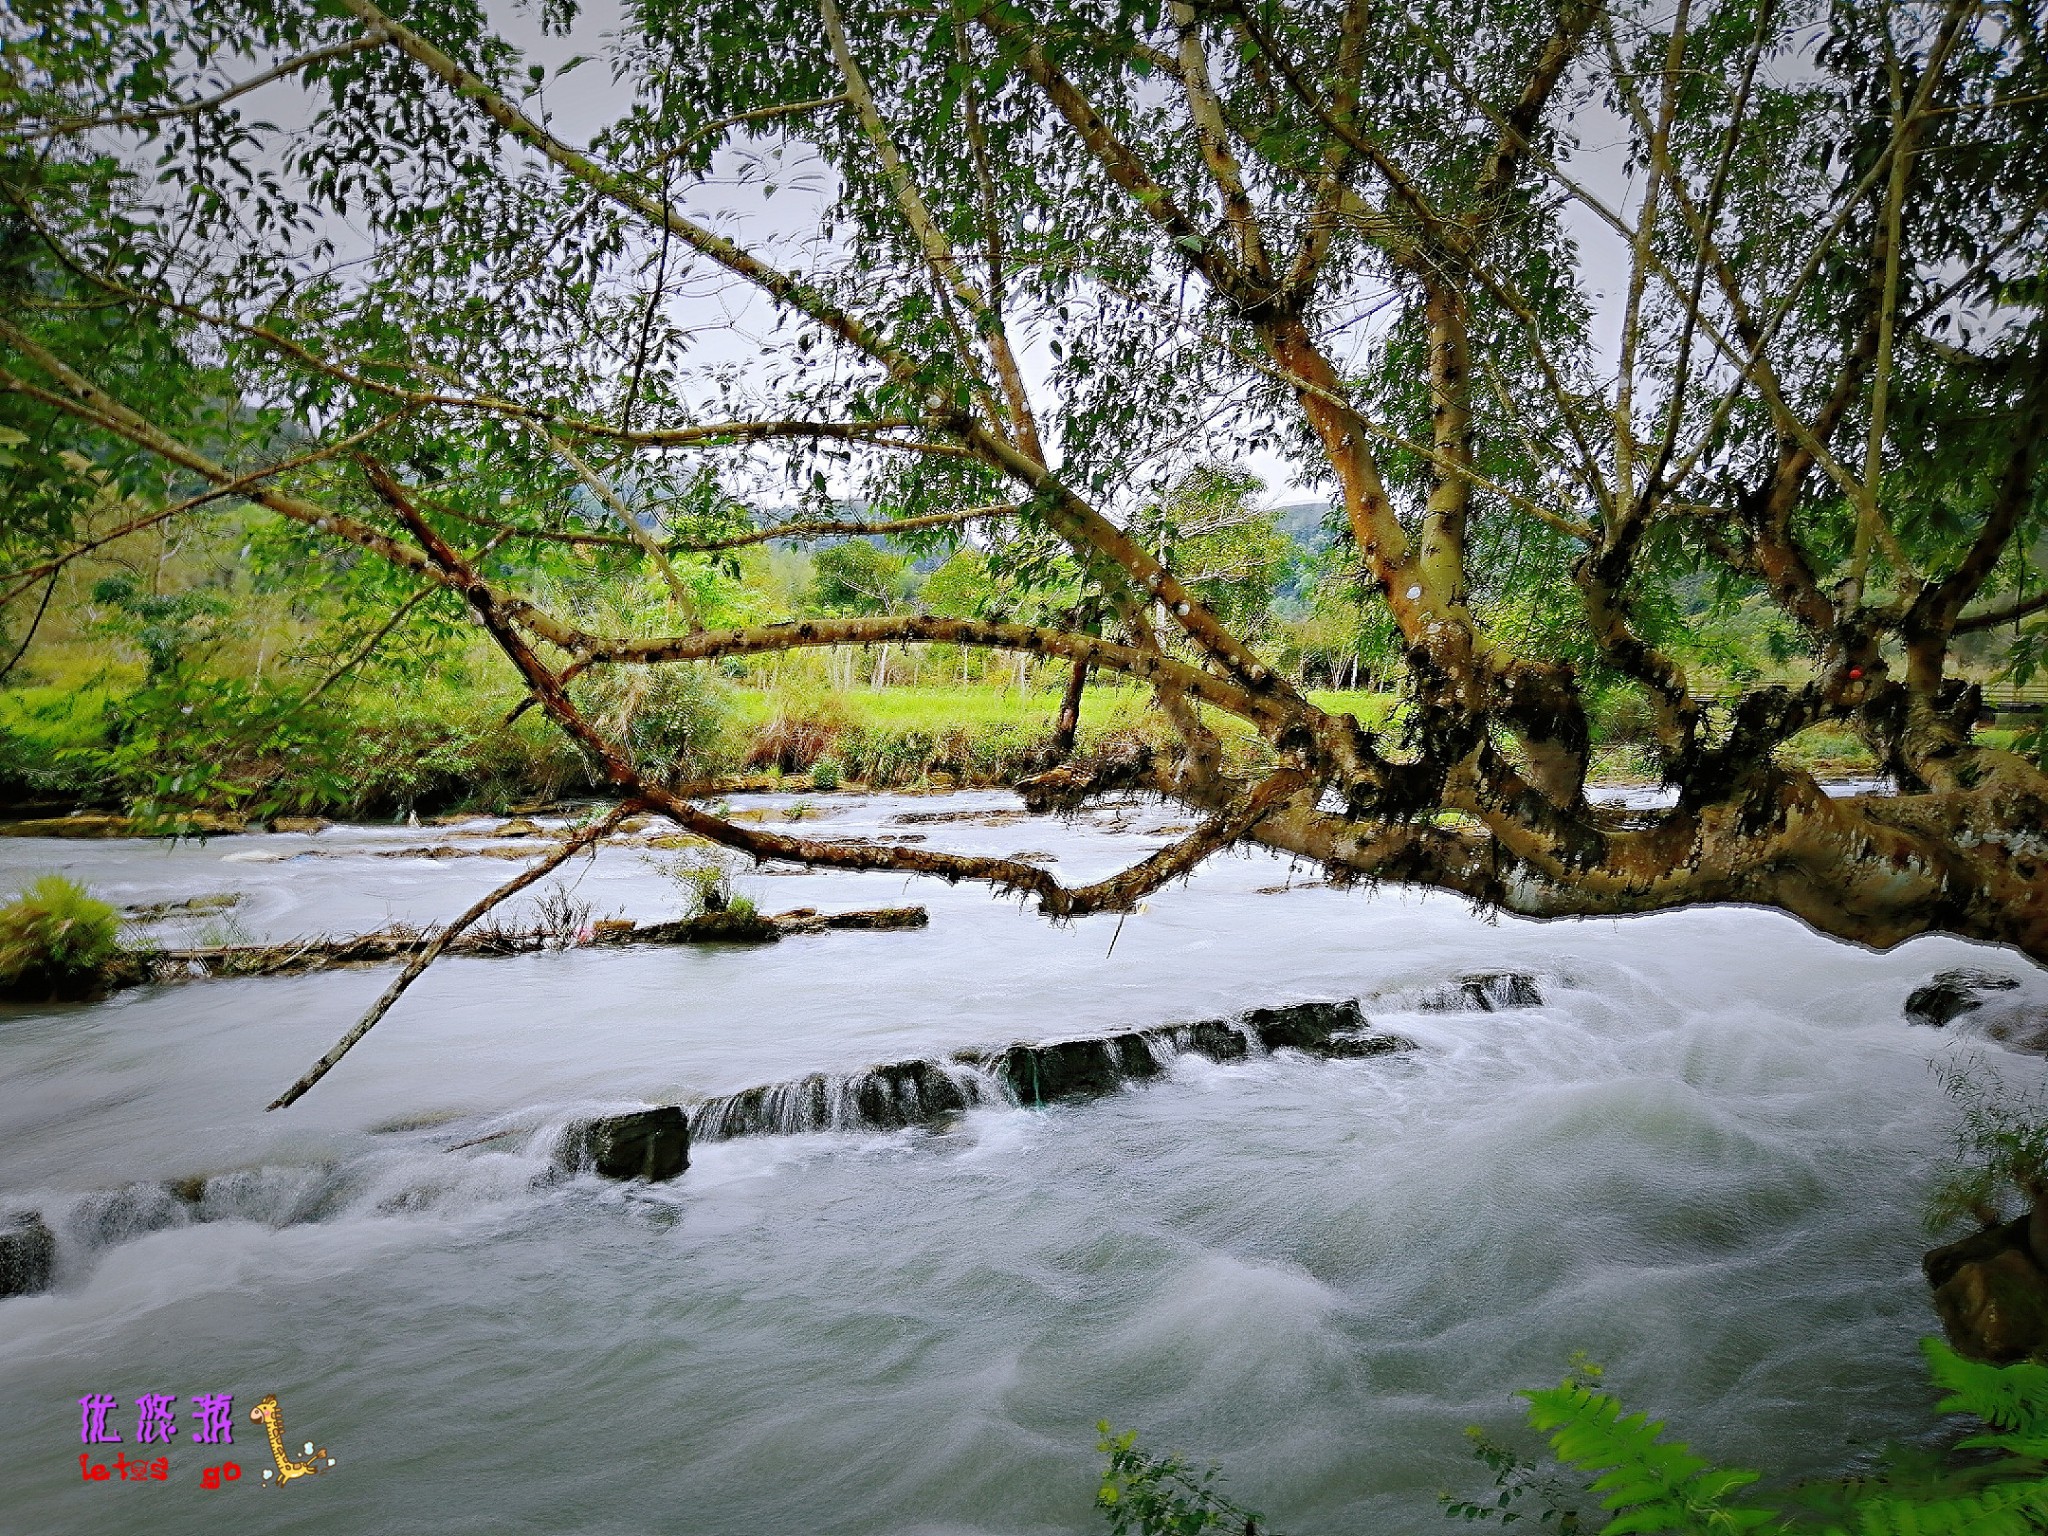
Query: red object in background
1855	674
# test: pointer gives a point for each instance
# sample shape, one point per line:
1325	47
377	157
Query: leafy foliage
1147	1495
1651	1484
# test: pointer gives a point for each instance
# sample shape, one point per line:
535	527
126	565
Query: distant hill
1306	523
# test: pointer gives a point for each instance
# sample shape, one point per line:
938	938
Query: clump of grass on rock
57	943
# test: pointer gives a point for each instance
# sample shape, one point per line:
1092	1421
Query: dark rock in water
28	1249
1358	1047
646	1144
1940	1264
903	1093
1069	1069
1996	1309
2018	1029
1305	1026
1216	1039
1991	1293
926	1092
883	1098
191	1190
1483	992
1952	994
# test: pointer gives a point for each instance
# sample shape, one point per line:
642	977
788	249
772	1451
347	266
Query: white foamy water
1701	1160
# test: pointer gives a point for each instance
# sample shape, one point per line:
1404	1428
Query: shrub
56	941
825	773
1146	1495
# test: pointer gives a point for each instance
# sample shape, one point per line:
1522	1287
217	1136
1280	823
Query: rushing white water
1702	1161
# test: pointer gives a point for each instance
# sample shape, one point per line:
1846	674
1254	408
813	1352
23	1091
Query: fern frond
1652	1485
2011	1398
2006	1509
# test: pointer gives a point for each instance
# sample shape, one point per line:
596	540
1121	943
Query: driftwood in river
296	957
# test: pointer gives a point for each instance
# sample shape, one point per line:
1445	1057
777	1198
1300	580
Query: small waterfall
931	1090
1481	992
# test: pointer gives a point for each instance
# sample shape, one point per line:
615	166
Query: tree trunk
1068	723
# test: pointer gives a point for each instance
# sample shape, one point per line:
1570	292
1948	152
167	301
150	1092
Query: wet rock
1216	1039
1305	1026
1952	994
299	823
1996	1309
926	1092
1359	1047
2020	1029
645	1144
884	1098
1070	1069
1483	992
28	1250
904	1093
519	826
190	1190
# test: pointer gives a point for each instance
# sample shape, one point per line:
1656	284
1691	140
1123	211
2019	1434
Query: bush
56	941
825	773
1147	1495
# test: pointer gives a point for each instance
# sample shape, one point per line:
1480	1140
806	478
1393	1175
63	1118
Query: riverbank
90	762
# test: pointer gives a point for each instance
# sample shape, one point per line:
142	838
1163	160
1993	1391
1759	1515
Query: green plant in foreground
1650	1485
56	938
1162	1495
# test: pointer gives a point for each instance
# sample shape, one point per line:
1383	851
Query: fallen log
298	957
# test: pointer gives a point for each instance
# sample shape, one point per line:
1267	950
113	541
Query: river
1701	1160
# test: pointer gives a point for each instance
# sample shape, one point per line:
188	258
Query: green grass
897	710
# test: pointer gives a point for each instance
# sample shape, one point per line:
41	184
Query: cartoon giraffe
266	1413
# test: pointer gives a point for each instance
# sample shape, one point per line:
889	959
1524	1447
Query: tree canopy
1577	311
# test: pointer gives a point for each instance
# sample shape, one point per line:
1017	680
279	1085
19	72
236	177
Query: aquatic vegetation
56	940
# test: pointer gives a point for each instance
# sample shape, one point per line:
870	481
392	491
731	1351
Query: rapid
1702	1159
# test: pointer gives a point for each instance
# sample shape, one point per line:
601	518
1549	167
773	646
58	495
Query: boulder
1990	1292
299	823
645	1144
1069	1069
1213	1038
1996	1309
1305	1026
28	1250
1952	994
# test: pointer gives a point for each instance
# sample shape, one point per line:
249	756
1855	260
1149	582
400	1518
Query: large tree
1580	300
